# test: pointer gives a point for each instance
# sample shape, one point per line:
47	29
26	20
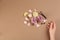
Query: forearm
52	29
52	38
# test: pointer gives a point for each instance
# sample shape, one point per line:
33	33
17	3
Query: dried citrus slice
26	13
35	14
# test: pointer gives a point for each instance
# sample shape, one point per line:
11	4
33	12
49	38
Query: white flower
26	18
30	15
25	22
30	10
28	24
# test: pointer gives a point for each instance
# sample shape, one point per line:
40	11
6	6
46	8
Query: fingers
51	25
48	25
54	25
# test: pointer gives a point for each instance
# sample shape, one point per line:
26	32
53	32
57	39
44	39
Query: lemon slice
26	13
35	14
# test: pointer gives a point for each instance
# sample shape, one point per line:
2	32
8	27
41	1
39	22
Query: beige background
11	19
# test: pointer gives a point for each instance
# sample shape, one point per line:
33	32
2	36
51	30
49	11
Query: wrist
52	37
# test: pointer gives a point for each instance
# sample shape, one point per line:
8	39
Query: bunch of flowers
34	17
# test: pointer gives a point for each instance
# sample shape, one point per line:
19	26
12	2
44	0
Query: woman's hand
52	28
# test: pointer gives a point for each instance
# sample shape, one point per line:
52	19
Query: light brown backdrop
11	19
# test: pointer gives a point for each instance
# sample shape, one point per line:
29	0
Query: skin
52	28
